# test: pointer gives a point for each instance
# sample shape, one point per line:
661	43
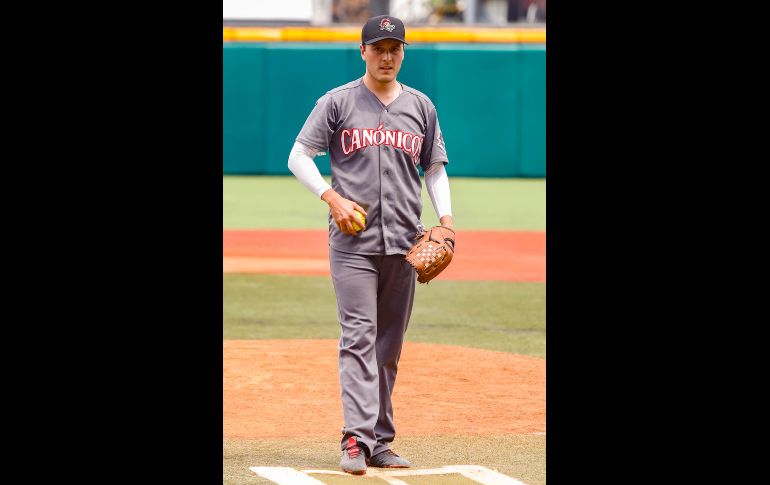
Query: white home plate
480	474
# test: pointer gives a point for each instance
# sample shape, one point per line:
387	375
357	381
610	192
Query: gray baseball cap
383	27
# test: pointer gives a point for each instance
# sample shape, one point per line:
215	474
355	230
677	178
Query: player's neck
385	89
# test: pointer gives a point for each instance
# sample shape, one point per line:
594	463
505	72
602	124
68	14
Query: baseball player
377	132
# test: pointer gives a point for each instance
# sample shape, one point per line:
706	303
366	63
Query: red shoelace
353	449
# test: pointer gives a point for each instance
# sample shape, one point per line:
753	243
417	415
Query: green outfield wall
490	100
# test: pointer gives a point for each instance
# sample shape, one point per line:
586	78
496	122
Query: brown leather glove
432	253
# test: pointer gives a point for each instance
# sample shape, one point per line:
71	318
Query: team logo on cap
386	25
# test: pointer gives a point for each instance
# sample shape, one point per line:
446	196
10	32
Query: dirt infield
479	254
290	388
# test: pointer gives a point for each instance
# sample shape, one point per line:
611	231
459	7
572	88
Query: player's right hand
343	212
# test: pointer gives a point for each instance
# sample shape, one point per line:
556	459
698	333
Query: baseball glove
432	253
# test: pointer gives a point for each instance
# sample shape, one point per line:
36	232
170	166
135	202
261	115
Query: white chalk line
371	472
284	475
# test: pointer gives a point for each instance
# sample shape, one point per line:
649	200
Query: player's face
383	59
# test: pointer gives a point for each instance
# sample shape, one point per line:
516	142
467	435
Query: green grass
519	456
494	315
261	202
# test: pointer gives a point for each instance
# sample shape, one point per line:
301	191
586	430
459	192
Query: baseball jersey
375	151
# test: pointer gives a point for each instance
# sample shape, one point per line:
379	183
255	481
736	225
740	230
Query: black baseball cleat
388	459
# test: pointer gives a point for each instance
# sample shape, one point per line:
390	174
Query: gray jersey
374	151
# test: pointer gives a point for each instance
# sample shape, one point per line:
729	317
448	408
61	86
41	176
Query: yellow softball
363	221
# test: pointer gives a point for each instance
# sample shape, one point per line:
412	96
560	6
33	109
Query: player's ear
363	48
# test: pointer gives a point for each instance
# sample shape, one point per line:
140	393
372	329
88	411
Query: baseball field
471	381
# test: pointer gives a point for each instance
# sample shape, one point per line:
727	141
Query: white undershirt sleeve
437	183
304	168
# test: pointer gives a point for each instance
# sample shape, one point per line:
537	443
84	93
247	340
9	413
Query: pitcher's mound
284	388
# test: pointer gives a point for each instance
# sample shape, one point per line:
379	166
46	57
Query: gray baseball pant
374	303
